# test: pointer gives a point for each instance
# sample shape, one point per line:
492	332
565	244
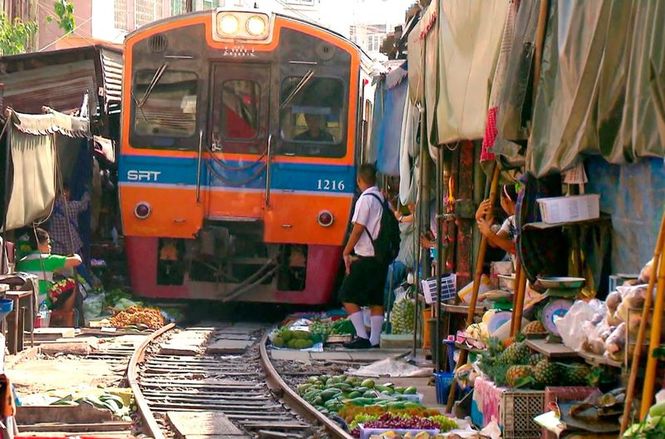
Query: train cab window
312	117
165	103
240	109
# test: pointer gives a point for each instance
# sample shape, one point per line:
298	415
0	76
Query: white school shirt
368	213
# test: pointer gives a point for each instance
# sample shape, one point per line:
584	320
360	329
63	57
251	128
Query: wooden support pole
654	337
476	285
518	306
641	334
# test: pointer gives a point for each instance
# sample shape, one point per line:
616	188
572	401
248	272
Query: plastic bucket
443	381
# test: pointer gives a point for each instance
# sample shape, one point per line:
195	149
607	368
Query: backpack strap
365	227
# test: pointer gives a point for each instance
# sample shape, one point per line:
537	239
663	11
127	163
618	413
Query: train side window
240	109
312	117
165	103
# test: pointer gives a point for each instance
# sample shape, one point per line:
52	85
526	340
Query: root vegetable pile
138	315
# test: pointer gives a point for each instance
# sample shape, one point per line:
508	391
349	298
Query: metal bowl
561	282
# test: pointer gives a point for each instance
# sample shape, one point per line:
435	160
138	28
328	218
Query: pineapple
517	375
535	327
535	359
577	374
516	354
545	372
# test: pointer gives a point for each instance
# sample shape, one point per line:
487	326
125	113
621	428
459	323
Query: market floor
41	375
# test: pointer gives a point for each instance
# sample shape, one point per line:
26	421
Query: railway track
218	382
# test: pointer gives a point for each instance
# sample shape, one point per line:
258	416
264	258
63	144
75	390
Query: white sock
358	323
377	326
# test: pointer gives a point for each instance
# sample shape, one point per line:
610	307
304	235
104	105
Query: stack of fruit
518	366
403	316
330	394
286	338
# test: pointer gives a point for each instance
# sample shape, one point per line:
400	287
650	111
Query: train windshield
165	103
312	119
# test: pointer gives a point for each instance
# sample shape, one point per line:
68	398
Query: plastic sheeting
595	94
469	37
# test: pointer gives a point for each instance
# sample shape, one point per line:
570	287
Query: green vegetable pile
342	327
329	394
652	427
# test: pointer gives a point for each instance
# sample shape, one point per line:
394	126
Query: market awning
469	37
34	160
595	94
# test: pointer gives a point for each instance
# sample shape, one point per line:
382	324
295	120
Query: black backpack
386	245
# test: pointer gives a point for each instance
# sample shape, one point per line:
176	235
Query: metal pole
3	259
419	223
439	256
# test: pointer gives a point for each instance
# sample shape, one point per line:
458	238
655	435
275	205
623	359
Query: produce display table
551	350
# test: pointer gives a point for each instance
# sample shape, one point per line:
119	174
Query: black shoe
358	343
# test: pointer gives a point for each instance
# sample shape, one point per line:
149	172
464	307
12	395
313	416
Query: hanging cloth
469	37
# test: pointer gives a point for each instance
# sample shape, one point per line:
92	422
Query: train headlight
142	210
229	24
256	26
239	26
325	218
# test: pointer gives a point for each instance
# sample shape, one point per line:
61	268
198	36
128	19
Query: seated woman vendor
41	263
502	237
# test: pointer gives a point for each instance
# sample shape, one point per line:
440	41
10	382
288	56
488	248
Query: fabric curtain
33	185
408	152
469	36
595	94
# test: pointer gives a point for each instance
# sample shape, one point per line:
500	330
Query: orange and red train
241	131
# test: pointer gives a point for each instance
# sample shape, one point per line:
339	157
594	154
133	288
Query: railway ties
209	382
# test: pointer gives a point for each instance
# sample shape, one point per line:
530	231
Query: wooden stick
476	285
641	334
518	308
654	336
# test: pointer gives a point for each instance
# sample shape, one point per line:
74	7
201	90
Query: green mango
410	390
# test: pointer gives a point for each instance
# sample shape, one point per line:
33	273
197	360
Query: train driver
315	131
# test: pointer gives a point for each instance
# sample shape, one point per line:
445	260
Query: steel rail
149	421
293	400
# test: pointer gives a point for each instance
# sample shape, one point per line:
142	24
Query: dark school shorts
364	285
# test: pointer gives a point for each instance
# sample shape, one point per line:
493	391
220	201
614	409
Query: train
240	135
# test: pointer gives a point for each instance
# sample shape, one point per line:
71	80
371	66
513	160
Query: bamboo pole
476	285
658	269
637	352
518	306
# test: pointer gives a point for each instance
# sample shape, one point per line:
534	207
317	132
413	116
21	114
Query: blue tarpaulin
634	194
390	129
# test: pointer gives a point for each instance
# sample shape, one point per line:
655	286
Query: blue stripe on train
235	174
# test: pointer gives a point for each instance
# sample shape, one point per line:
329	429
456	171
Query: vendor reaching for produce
502	237
43	264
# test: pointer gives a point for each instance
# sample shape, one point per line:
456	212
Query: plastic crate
567	209
448	288
366	433
518	408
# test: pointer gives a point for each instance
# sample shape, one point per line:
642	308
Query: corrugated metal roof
112	65
59	79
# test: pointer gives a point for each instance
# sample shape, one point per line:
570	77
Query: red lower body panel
322	269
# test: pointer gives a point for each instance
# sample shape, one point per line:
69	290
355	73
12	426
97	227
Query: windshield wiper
153	82
303	82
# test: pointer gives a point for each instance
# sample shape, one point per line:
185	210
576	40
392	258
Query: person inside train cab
316	131
366	273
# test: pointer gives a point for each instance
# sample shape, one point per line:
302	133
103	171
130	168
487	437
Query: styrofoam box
568	209
366	433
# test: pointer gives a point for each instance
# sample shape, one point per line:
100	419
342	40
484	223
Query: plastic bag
93	306
465	293
570	324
